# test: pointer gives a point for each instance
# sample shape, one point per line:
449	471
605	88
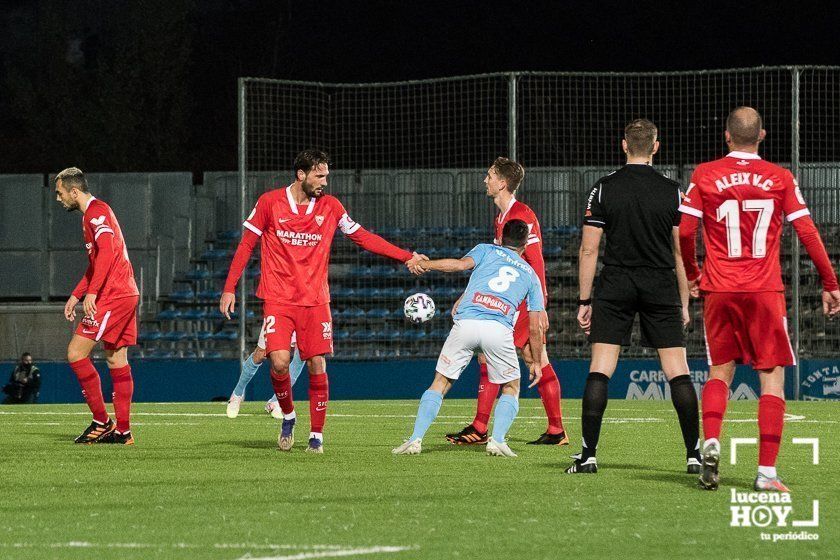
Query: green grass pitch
199	485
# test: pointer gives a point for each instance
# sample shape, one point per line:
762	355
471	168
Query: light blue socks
249	369
506	410
426	413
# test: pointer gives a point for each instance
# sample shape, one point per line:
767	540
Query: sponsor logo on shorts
90	322
327	326
491	302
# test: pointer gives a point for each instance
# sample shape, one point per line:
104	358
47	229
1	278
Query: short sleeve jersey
743	201
295	243
499	283
636	206
100	226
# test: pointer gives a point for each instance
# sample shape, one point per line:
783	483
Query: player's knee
75	354
279	363
258	356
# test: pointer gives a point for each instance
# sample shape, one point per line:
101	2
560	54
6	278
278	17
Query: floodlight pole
512	115
242	209
794	240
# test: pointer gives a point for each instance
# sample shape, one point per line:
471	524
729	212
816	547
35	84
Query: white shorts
492	338
261	339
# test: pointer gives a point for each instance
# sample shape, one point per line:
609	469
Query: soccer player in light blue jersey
250	368
484	319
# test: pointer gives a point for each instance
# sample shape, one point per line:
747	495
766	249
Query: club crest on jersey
319	220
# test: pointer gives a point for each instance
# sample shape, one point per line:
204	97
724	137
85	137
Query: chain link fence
409	160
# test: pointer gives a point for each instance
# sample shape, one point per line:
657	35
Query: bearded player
109	296
502	180
295	226
742	201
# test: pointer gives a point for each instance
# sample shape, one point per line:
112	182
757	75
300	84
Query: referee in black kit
643	274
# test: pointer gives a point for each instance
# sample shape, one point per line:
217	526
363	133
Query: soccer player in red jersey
502	180
295	226
742	201
109	296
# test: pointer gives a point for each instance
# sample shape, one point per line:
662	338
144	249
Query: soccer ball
419	308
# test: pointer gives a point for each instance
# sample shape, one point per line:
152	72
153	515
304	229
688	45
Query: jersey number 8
501	283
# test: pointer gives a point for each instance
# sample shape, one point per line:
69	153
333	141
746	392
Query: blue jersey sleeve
478	253
535	295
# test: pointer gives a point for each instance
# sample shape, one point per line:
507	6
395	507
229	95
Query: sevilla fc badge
319	220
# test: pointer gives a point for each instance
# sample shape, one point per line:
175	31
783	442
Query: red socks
123	390
91	388
319	396
715	396
549	389
282	385
771	420
487	393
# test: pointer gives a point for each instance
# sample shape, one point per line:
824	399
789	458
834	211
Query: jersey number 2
730	212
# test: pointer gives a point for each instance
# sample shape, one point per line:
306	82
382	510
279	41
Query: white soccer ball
419	308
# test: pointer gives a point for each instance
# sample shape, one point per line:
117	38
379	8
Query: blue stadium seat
378	313
230	234
175	336
226	335
363	336
147	336
160	353
220	273
168	315
553	251
398	314
342	335
197	274
354	313
183	295
189	354
203	335
362	271
252	273
212	295
194	315
211	354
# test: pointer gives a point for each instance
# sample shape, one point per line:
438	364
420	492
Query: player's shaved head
515	234
744	125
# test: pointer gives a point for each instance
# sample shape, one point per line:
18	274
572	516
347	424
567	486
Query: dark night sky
394	40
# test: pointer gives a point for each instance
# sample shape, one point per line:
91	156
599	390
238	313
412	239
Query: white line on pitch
334	553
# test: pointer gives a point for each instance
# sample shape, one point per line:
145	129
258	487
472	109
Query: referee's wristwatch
587	301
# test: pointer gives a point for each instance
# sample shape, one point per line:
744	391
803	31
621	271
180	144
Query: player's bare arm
447	265
587	264
535	345
682	281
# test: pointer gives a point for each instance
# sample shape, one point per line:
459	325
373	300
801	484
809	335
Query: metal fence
409	158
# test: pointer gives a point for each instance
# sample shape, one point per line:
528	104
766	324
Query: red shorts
115	323
312	325
522	328
747	328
